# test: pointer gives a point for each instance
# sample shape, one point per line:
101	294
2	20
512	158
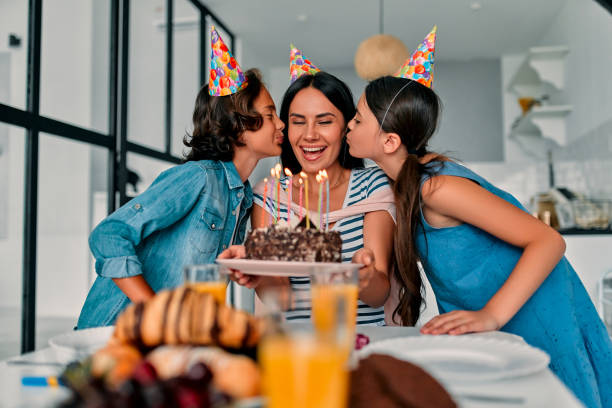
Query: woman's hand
365	256
460	322
236	252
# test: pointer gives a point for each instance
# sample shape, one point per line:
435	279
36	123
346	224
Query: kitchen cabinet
591	257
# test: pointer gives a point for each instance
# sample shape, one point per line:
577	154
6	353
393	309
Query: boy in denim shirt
195	210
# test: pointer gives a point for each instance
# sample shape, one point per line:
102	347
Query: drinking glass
333	288
300	367
209	278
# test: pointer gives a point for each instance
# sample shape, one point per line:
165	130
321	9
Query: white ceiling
334	28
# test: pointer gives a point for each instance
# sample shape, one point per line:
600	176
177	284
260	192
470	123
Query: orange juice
303	372
324	298
217	289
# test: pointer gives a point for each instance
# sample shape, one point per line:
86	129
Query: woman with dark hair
317	109
193	211
492	265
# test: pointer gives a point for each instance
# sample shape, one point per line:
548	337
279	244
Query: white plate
284	268
79	344
464	359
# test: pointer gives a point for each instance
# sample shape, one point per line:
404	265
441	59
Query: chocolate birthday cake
280	243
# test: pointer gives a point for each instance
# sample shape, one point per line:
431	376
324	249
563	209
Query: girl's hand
237	251
460	322
365	256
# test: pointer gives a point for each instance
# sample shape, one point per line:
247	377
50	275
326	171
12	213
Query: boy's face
267	140
364	131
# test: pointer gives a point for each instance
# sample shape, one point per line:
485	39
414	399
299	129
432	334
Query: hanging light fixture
381	54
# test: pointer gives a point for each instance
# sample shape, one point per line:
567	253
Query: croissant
185	316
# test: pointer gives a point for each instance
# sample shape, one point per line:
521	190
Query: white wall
586	28
584	163
5	61
471	125
13	19
64	167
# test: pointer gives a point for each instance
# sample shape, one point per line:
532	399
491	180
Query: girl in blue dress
491	264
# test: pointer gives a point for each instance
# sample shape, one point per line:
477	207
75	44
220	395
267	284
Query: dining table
537	389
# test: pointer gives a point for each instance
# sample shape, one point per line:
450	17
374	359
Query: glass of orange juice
209	278
301	369
331	289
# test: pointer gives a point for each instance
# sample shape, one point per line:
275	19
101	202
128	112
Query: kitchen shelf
544	121
580	231
542	72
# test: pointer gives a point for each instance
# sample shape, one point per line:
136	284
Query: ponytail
406	271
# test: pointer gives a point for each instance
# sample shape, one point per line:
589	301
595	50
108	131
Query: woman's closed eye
297	122
326	122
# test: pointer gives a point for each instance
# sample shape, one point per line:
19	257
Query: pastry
184	316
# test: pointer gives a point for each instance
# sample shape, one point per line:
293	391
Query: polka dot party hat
226	77
300	65
419	67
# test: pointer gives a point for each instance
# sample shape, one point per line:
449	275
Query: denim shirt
187	216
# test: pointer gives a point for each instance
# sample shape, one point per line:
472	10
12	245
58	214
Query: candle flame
303	175
319	178
272	172
324	174
288	172
278	168
265	180
300	181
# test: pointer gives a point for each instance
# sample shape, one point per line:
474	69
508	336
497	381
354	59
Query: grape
145	373
187	398
200	374
361	340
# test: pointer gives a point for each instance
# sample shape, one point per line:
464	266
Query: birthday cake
281	243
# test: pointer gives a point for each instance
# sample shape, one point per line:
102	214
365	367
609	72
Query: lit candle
277	173
319	179
263	213
324	174
289	192
273	178
301	183
305	177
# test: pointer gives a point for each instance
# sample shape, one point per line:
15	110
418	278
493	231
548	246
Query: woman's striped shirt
363	182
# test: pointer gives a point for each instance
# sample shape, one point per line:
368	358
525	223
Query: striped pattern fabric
362	183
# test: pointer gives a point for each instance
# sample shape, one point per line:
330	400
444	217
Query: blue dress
466	266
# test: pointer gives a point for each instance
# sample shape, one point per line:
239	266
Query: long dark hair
219	121
339	95
411	110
